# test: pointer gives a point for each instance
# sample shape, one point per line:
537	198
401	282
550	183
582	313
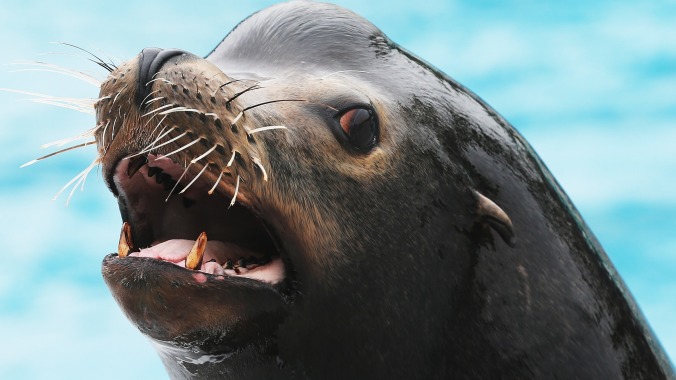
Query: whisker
268	128
83	173
81	182
255	86
52	68
62	142
148	122
63	105
99	61
236	119
183	147
237	80
230	82
165	80
273	101
158	109
205	154
232	158
154	100
258	163
118	94
112	132
103	139
180	109
152	146
164	143
194	179
100	99
177	182
57	152
157	126
234	197
147	96
83	103
218	180
162	134
110	60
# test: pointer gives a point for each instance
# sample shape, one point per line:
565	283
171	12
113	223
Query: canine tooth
135	164
125	245
194	259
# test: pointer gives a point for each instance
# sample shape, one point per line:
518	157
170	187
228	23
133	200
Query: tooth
194	259
135	164
125	245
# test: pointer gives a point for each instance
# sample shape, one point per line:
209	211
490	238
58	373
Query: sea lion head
314	124
312	201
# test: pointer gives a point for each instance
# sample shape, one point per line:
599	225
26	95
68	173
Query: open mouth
203	260
175	216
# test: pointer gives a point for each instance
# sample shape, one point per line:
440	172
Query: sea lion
312	201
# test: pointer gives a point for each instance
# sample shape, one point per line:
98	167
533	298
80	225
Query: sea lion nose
150	63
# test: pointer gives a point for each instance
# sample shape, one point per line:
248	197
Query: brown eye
361	128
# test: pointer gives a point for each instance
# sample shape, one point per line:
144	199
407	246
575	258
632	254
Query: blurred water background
590	84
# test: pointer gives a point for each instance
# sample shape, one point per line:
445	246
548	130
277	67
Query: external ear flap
490	213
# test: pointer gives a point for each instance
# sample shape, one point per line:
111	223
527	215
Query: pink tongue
176	250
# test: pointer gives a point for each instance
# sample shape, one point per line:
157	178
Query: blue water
590	84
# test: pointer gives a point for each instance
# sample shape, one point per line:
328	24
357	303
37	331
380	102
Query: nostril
151	61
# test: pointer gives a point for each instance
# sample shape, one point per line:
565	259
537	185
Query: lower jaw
190	308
